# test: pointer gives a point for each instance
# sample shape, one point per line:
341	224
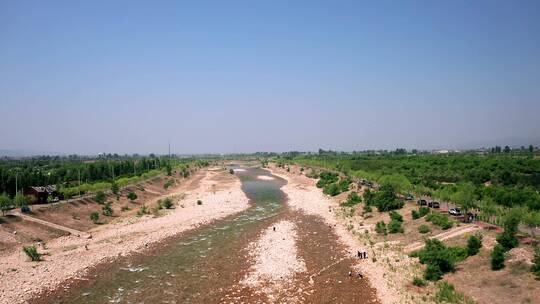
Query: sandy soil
276	260
67	258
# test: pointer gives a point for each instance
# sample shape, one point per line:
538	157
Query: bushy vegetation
380	227
100	197
419	282
439	219
396	221
5	203
385	199
115	189
326	178
439	259
421	212
142	210
331	184
474	243
199	202
497	257
132	196
535	268
32	253
353	199
167	203
507	238
168	183
94	217
107	210
448	294
423	229
96	172
231	171
494	183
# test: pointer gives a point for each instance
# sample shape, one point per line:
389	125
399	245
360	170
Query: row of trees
67	171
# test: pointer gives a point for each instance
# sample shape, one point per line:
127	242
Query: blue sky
240	76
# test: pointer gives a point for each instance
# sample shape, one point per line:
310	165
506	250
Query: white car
454	211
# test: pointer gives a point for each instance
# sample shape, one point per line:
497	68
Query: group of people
361	254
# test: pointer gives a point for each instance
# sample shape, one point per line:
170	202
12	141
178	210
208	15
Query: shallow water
199	266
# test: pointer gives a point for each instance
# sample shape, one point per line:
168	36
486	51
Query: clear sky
242	76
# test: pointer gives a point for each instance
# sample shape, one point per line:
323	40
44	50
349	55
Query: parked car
433	204
454	211
422	202
409	197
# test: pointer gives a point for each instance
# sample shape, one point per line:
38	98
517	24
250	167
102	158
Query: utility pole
79	182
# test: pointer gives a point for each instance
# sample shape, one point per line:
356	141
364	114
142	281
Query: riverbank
217	195
304	196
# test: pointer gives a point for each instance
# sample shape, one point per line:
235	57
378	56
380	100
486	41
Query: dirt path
51	225
442	236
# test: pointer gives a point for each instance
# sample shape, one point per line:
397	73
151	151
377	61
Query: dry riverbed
67	258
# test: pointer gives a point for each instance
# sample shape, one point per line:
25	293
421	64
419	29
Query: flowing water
199	266
205	265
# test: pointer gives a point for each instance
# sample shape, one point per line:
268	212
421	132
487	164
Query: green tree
474	243
5	203
20	200
507	149
497	257
399	183
507	239
380	227
464	197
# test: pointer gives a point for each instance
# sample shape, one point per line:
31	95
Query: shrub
326	178
423	229
415	215
142	210
5	203
115	188
448	294
132	196
107	210
396	216
231	171
536	263
352	199
433	272
497	257
168	183
436	254
507	238
32	253
380	227
199	202
395	226
367	209
420	213
419	282
331	189
94	217
385	199
100	197
474	243
440	220
167	203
